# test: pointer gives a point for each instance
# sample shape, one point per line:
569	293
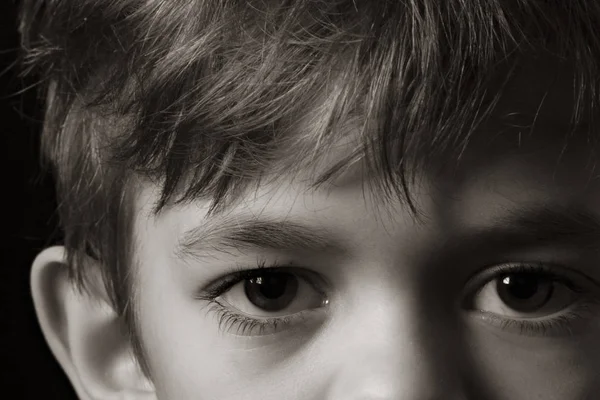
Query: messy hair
204	98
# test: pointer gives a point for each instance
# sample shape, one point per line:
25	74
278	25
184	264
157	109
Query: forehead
361	227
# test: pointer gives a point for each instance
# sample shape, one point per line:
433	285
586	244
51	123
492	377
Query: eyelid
220	285
544	266
224	283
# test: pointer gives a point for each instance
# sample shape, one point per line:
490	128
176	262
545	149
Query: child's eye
524	295
272	294
533	299
262	301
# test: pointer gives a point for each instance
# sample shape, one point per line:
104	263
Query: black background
28	370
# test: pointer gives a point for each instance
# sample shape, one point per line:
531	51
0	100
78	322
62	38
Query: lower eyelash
567	324
561	325
241	325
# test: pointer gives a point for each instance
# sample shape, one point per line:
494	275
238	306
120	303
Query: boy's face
494	293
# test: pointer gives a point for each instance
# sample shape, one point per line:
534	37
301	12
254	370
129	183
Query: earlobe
85	334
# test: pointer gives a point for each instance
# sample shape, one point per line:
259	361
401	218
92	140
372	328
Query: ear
84	333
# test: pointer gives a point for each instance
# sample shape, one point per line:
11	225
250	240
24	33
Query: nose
380	376
407	357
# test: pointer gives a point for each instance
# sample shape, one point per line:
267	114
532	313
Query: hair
203	98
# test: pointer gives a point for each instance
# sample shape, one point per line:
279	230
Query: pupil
272	291
522	286
273	286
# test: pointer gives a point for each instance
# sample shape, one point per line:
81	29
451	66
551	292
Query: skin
396	325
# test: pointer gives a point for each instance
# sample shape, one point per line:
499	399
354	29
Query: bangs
215	101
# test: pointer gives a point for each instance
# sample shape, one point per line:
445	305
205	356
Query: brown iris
525	292
272	291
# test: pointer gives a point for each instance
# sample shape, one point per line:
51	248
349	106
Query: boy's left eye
524	295
272	294
535	299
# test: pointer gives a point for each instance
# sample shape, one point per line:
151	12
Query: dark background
28	368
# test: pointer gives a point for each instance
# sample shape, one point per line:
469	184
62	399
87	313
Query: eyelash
538	267
231	321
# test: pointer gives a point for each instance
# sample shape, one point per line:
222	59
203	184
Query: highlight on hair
205	97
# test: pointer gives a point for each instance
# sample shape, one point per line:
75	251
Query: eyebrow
526	227
538	226
250	232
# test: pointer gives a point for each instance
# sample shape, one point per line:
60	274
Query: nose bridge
397	356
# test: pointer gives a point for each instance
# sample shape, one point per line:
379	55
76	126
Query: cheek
517	367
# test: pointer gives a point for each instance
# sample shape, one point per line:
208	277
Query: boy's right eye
264	300
273	294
